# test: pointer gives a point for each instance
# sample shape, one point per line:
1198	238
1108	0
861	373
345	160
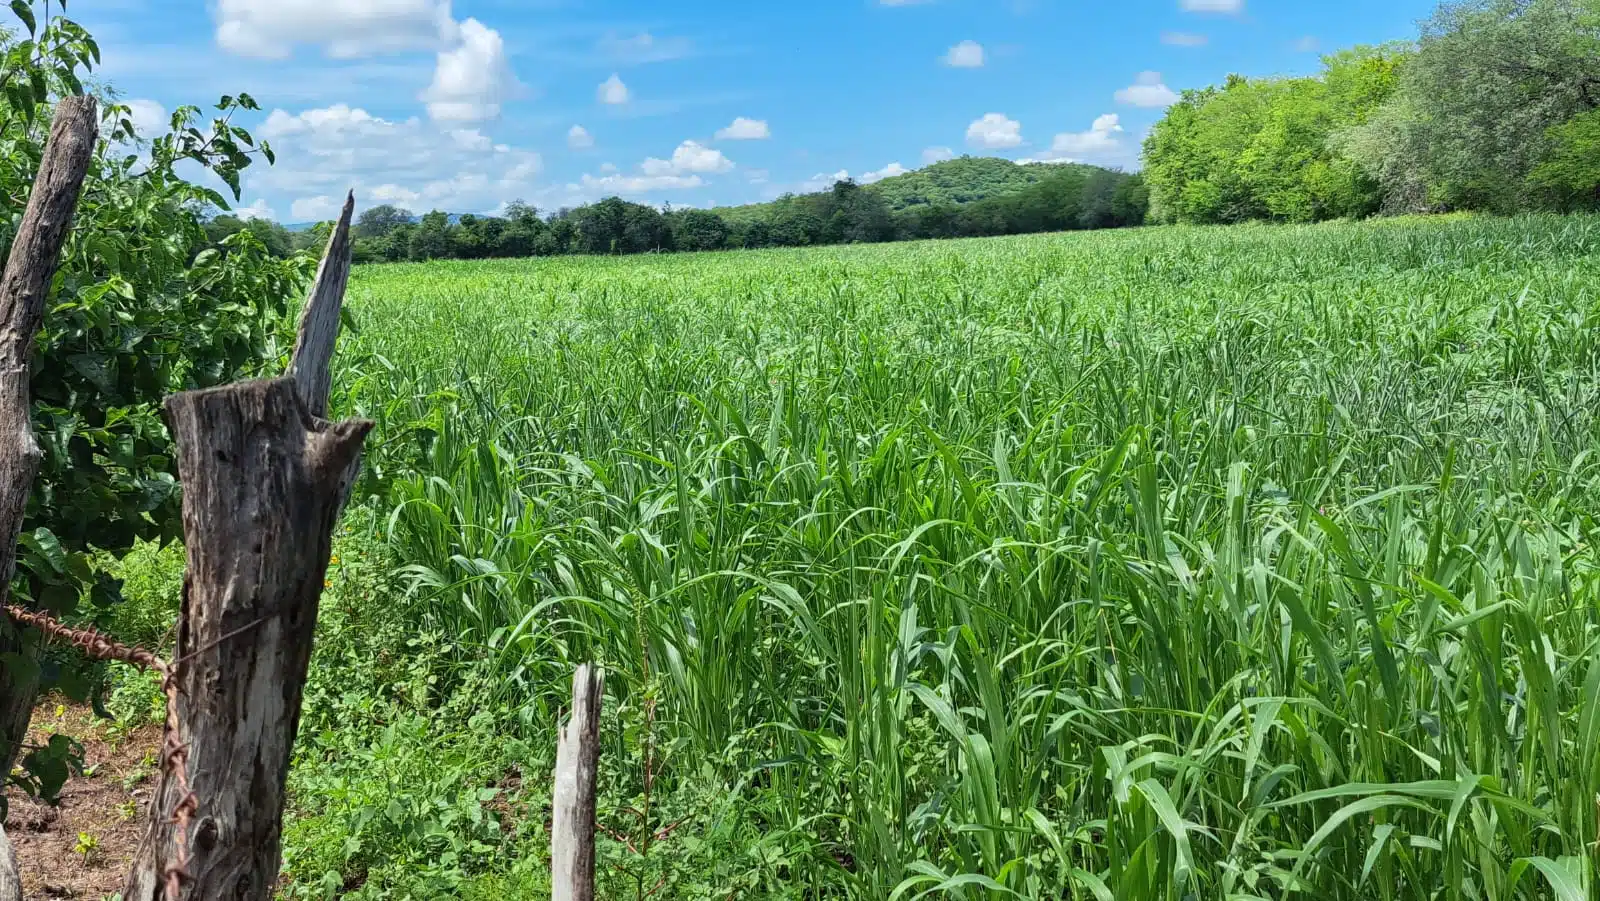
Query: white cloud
1102	135
822	181
937	155
1231	7
1147	90
889	171
578	138
150	119
472	79
613	91
270	29
608	168
644	47
1101	143
994	131
1307	44
633	184
1183	39
965	55
742	129
257	210
390	193
412	163
690	156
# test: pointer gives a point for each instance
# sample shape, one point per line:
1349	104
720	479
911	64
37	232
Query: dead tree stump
262	485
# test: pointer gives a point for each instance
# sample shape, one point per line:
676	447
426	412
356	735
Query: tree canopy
145	303
1490	109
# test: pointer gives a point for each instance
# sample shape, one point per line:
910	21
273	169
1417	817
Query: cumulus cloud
937	155
595	186
472	79
1147	90
742	129
965	55
1230	7
690	156
994	132
415	164
1183	39
1101	143
613	91
889	171
578	138
345	29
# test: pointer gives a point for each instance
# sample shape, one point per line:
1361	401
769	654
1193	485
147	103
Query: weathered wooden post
24	287
35	253
263	479
572	805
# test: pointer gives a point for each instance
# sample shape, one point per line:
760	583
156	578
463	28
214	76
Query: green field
1154	564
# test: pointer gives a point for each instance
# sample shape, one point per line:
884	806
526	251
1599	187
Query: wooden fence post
262	478
24	287
35	253
572	813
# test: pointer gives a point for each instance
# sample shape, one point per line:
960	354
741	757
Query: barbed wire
174	753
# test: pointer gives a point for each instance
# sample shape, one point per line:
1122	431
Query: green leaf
1354	808
24	11
1167	813
1566	886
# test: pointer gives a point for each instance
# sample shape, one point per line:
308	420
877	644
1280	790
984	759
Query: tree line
1064	197
1495	107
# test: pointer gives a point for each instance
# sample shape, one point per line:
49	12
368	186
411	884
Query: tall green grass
1182	563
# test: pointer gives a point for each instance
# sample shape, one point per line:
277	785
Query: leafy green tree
277	239
1568	178
142	307
1490	81
430	239
698	230
379	221
1271	148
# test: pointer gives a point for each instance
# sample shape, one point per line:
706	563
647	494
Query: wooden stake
572	814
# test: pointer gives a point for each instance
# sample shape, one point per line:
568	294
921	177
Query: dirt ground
81	848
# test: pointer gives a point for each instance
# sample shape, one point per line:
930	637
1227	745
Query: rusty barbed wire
174	754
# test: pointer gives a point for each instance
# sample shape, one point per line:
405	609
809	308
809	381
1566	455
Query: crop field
1157	564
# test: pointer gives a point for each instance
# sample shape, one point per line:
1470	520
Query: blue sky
466	105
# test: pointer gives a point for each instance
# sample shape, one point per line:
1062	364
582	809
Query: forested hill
966	179
961	180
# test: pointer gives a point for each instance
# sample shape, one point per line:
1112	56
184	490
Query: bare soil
81	848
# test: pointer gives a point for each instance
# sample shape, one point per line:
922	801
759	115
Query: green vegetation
962	180
1493	108
1191	562
922	204
142	306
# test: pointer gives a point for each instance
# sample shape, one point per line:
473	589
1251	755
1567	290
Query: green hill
960	180
967	179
